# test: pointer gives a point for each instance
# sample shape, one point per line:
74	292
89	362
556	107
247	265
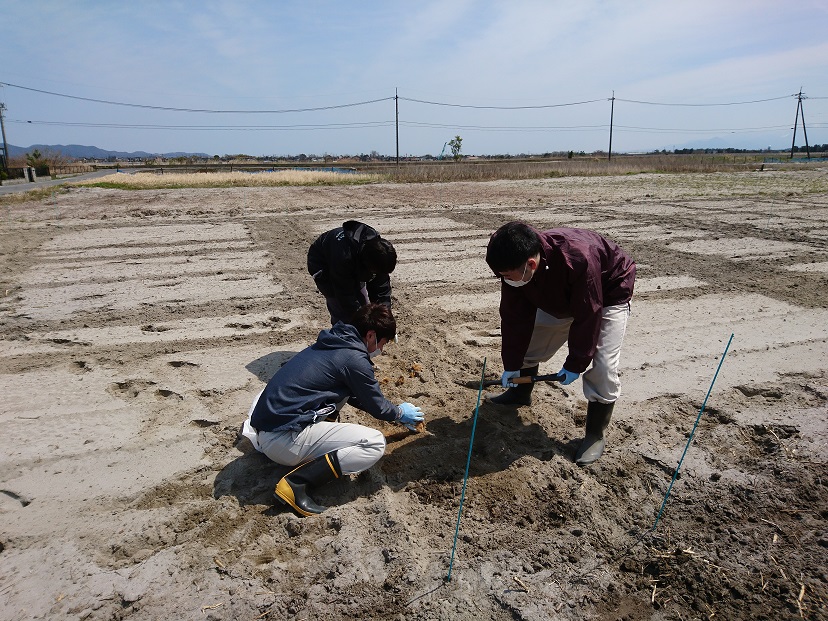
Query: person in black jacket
294	420
350	266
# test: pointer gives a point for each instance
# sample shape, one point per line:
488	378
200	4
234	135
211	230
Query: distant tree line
52	159
814	148
819	148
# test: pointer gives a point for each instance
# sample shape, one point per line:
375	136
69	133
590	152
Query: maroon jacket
580	272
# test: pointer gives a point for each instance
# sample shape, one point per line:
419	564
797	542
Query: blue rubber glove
507	375
410	415
569	376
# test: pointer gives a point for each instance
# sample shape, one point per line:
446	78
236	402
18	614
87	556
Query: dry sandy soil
138	326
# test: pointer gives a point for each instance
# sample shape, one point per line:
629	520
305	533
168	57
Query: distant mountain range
80	151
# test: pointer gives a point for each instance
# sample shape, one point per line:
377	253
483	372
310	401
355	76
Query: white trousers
357	447
600	381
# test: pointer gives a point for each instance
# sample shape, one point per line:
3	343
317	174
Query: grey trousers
357	447
600	381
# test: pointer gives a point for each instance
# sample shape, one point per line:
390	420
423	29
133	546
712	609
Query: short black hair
376	317
511	246
378	256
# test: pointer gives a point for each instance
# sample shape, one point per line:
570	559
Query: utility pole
799	109
4	155
397	123
612	112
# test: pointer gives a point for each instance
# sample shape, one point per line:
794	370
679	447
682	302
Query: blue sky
483	57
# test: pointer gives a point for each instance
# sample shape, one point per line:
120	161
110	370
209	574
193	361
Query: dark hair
375	317
378	256
511	245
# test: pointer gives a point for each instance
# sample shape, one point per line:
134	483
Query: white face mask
521	282
377	351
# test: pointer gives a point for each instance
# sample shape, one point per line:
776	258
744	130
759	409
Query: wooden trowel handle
531	379
527	379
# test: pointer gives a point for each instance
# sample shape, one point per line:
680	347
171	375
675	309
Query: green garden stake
466	476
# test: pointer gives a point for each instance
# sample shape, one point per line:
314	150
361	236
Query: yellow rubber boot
292	489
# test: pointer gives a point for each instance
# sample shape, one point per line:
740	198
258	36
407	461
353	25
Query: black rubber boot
597	421
292	489
522	395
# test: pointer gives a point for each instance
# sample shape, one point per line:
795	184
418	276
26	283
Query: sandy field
136	328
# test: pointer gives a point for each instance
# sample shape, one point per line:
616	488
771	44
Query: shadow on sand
501	438
266	366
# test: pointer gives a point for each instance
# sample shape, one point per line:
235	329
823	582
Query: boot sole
290	503
588	453
287	502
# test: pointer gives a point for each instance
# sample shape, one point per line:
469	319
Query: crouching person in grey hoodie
294	420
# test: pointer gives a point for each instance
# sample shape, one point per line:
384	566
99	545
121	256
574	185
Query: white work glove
508	375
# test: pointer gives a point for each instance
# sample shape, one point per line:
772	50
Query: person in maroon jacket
563	286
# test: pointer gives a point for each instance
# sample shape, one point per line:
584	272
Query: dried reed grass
447	171
36	194
147	181
483	170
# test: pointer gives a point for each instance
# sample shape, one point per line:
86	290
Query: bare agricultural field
138	325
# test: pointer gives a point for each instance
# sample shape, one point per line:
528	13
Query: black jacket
307	387
334	263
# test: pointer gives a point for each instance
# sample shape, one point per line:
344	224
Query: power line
358	125
370	124
595	127
713	130
452	105
368	102
406	123
728	103
502	127
170	109
422	101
